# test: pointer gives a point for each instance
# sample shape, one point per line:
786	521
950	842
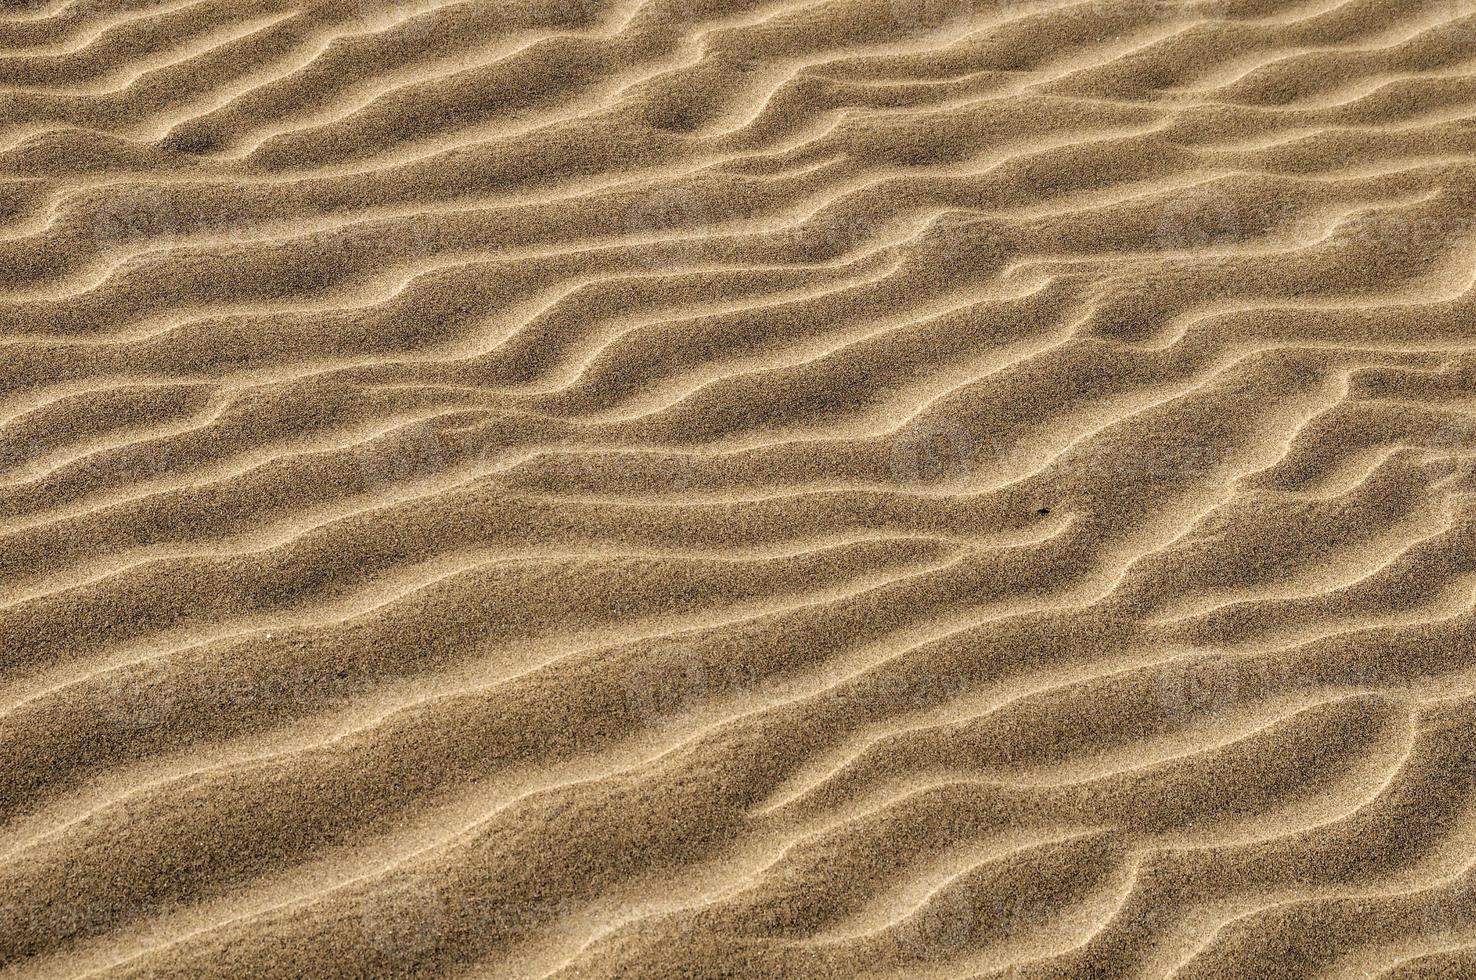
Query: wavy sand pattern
737	488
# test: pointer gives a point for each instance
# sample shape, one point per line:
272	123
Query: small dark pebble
1043	511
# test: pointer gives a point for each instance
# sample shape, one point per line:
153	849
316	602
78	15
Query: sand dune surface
737	488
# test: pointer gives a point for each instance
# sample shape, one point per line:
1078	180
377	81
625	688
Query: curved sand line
814	488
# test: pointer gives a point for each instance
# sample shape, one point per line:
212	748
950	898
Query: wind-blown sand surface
737	488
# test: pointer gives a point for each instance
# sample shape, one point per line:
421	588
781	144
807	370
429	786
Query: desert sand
737	488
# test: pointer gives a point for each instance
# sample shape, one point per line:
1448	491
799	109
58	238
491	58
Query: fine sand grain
737	488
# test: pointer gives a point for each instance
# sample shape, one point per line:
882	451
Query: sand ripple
743	488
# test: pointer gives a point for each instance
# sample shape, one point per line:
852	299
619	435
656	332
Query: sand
737	488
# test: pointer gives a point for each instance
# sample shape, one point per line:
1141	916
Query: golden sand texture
737	488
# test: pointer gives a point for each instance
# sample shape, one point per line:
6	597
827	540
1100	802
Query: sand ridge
737	488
